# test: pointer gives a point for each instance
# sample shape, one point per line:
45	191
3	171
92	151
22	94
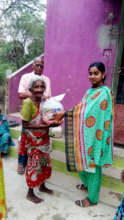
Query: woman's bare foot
43	188
31	196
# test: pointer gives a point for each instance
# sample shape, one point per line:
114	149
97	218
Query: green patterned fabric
93	182
120	211
98	126
89	131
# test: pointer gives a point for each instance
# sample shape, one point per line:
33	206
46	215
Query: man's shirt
25	80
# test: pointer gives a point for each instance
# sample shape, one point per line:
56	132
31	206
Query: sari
36	144
120	211
5	137
88	139
89	131
3	209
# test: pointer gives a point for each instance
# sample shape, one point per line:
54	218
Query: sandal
84	203
81	187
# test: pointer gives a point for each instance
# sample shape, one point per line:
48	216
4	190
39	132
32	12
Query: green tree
21	33
26	35
12	52
3	68
12	7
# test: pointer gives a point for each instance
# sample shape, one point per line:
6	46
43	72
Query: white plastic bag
56	132
49	107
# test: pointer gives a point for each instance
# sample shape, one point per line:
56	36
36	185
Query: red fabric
27	140
34	177
22	149
35	173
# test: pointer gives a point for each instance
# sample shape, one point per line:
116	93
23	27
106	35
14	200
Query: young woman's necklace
97	86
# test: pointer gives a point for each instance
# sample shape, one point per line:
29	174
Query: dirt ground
59	206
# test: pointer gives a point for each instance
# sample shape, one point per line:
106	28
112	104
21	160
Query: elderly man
38	66
24	93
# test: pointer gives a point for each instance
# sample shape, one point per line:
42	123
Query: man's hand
25	95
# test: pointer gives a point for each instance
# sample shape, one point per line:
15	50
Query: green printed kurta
88	131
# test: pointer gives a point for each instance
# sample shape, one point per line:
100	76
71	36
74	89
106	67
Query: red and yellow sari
36	143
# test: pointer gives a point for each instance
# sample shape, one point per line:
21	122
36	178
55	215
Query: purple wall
79	32
14	79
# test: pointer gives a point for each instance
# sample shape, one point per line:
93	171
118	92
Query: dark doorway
120	90
119	107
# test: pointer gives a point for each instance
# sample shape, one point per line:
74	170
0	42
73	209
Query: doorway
119	107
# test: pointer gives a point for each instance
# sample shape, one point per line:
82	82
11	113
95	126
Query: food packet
49	108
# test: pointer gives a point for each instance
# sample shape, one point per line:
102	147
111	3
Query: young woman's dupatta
88	131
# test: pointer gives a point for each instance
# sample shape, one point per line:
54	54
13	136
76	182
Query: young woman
35	141
88	135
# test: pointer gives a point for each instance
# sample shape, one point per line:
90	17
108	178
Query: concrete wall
14	79
79	32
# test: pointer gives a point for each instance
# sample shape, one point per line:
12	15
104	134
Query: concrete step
14	116
111	176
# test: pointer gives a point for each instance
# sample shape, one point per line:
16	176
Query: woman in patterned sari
3	209
35	141
5	137
120	210
88	135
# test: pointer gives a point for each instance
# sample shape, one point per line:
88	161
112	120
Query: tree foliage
21	33
10	7
26	38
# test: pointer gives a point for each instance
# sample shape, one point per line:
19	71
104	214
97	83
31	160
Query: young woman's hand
59	115
55	123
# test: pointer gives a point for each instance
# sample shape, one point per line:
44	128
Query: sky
43	1
43	13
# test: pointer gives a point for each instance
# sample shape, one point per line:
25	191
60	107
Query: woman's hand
59	115
34	126
55	123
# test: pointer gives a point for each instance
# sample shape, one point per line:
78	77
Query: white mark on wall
107	35
69	76
68	90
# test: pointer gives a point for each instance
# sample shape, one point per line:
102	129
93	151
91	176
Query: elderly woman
35	140
38	67
5	137
88	135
